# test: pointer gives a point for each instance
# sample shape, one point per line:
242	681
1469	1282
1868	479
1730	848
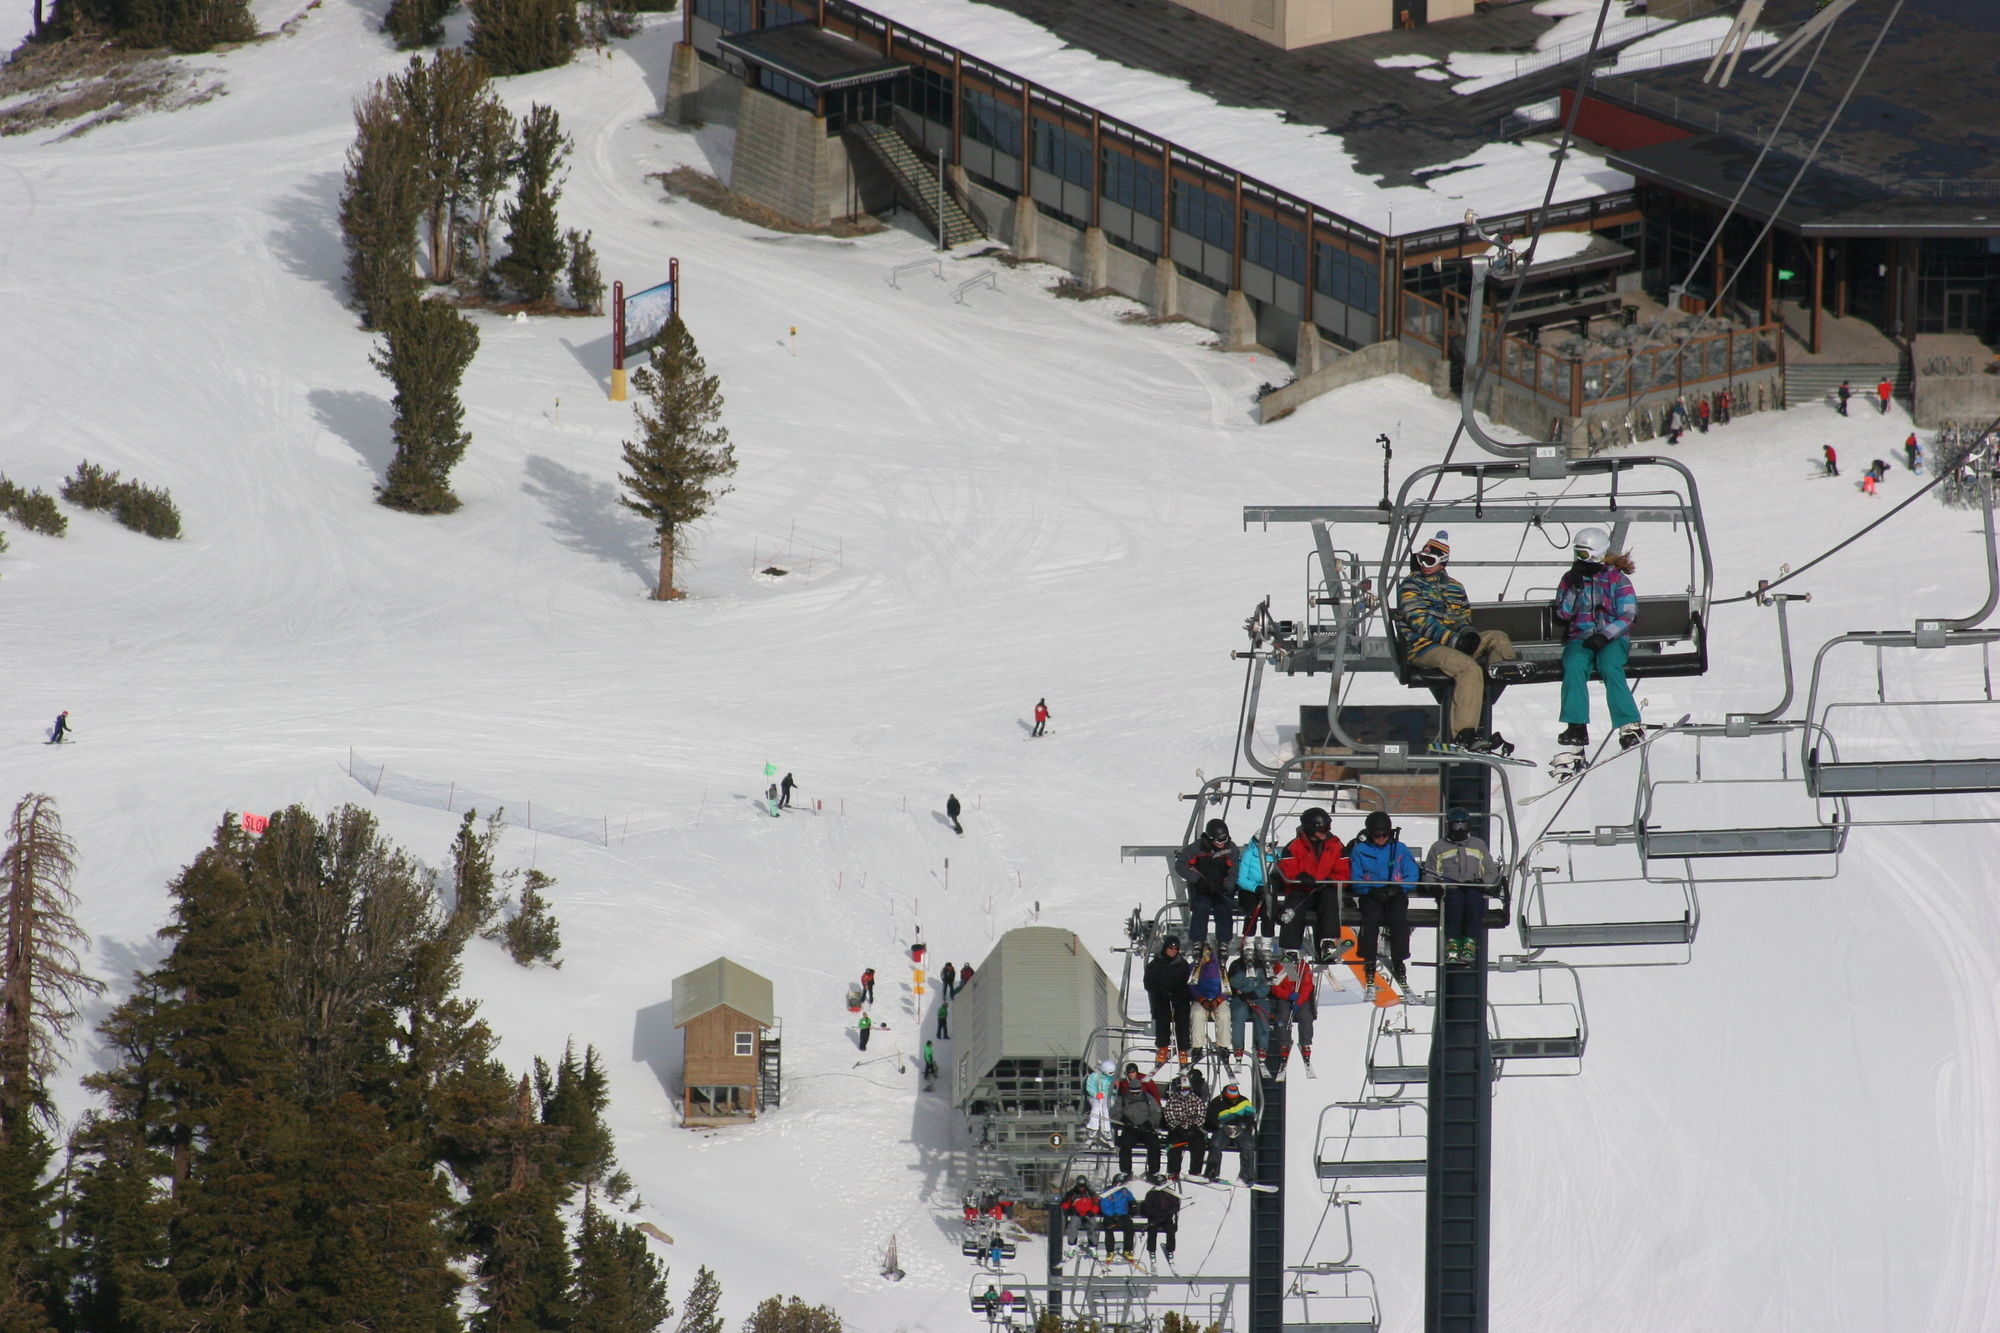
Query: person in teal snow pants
1596	604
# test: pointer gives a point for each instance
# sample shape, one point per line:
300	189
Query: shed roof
723	982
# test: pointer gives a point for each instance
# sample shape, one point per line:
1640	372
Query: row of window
732	16
990	121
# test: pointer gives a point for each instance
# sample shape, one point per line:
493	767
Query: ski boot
1401	977
1160	1058
1630	735
1574	736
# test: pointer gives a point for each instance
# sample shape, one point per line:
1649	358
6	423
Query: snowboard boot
1160	1058
1567	764
1576	734
1367	980
1630	735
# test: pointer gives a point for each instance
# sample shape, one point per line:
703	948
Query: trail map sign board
637	321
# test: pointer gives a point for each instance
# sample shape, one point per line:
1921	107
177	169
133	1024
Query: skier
1880	468
1233	1120
1115	1212
1207	866
1249	978
1884	392
1253	868
864	1028
1832	460
1914	452
867	985
1205	986
1383	871
949	978
1701	415
1312	870
1596	604
1437	629
930	1067
1723	400
1295	999
1464	865
1184	1110
1868	480
61	728
1079	1206
1846	392
1162	1210
951	809
1097	1087
1676	422
1041	717
944	1018
1167	990
964	978
1137	1114
785	786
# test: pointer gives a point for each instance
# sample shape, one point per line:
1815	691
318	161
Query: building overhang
823	61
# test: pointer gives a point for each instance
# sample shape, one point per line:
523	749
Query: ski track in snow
993	500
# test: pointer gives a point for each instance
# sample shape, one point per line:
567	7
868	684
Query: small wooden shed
730	1050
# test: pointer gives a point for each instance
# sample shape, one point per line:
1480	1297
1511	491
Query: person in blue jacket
1116	1215
1383	871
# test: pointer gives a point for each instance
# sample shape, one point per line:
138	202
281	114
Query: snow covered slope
982	503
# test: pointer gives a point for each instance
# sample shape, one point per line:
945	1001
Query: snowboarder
1162	1210
1207	866
930	1067
1880	467
1914	452
1437	628
1097	1087
1464	865
60	729
1832	460
944	1018
1384	869
1184	1110
1167	990
1701	415
1233	1119
785	792
1205	985
867	985
1596	603
1312	870
1137	1114
1846	392
1249	978
866	1025
1883	393
1041	717
1295	1003
951	810
1115	1211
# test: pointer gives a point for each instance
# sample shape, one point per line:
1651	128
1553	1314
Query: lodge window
1130	182
1269	243
992	122
732	16
1062	152
1205	215
1349	279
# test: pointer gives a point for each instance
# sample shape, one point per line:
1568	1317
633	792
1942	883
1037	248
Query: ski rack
1542	928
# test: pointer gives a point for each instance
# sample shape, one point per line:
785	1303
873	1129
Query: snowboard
1350	954
1438	747
1654	730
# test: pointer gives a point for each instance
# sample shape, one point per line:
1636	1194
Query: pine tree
185	25
33	1265
698	1314
586	284
535	253
532	934
682	453
521	36
417	22
380	206
41	981
514	1229
427	346
488	166
573	1100
451	104
791	1316
620	1286
472	877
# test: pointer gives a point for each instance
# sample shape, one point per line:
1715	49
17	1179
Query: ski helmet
1377	822
1593	544
1316	820
1108	1067
1217	830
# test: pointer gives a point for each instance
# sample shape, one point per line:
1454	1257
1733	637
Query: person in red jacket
1041	717
1079	1206
1884	392
1310	874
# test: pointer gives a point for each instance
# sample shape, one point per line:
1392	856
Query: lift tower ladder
1459	1161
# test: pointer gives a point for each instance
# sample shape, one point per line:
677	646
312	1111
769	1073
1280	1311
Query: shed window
746	1043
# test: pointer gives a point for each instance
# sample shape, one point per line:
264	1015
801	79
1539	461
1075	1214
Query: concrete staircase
1816	382
916	183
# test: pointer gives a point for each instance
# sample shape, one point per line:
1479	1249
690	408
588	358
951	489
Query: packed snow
976	504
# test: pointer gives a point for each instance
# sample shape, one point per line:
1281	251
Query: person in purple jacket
1597	606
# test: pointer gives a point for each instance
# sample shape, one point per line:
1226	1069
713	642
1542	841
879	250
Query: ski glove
1595	641
1285	917
1468	642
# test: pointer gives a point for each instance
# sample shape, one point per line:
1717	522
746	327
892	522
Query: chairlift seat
1680	844
1668	639
1903	777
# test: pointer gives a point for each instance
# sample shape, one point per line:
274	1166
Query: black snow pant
1113	1225
1172	1018
1319	909
1385	907
1205	903
1128	1137
1245	1144
1190	1141
1162	1229
1464	909
864	1037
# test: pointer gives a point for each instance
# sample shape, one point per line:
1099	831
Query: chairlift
1540	1028
1375	1145
1332	1298
1647	918
1694	819
986	1290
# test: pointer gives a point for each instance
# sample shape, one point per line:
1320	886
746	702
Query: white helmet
1108	1067
1593	544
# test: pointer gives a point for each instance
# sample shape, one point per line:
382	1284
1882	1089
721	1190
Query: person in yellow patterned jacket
1437	627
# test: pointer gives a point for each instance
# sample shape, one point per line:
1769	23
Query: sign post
617	342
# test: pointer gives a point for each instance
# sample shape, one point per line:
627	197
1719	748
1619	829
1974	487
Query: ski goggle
1429	559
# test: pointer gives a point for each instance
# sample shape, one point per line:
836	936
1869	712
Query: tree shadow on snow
306	237
585	516
363	420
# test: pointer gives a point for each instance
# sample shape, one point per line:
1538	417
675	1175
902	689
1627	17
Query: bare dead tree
41	977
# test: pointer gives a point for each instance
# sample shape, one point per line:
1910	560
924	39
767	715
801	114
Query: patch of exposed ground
701	188
85	82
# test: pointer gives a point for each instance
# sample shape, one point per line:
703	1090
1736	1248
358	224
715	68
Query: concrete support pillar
1242	331
683	86
1577	436
1096	273
1026	216
1311	354
1441	377
1166	289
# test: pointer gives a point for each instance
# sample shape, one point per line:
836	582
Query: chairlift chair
1644	917
1375	1145
1972	718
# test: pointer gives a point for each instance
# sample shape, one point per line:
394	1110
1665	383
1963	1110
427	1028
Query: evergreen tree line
184	25
302	1123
